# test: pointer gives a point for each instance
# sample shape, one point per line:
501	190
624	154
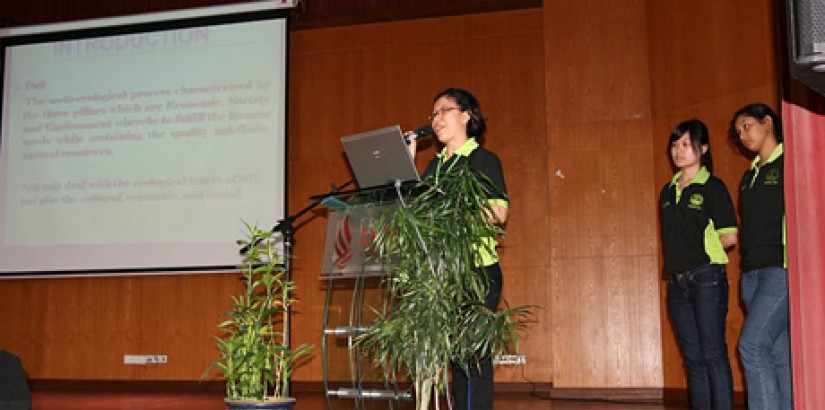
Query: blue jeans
698	304
765	343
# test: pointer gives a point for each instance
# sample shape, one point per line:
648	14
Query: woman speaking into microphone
459	126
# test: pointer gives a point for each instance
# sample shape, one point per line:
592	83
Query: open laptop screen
379	157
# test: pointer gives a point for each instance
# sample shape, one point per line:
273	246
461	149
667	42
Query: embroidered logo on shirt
696	201
772	177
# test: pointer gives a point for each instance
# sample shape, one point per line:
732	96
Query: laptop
380	157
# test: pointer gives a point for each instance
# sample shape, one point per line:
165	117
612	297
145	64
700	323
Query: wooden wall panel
179	317
80	328
596	57
530	285
598	173
63	326
705	49
602	229
605	318
598	342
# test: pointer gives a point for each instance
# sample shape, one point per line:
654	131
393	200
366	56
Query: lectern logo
343	244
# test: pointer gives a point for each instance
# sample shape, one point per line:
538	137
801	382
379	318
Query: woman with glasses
459	125
764	343
698	225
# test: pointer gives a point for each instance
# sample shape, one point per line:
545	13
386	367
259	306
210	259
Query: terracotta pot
280	403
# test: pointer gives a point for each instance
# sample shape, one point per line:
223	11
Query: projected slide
143	150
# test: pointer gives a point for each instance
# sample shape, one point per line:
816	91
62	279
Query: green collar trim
701	177
463	151
779	150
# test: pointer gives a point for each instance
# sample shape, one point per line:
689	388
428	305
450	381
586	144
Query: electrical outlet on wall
145	359
510	359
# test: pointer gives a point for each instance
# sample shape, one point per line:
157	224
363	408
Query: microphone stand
287	229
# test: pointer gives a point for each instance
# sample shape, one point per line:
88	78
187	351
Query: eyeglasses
441	111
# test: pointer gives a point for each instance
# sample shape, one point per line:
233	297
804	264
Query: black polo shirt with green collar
480	160
761	196
486	163
693	218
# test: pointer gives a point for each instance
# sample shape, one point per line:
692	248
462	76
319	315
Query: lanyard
453	159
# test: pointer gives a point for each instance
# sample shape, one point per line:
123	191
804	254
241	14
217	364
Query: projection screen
141	144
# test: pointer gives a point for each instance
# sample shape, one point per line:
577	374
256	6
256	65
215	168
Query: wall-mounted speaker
806	42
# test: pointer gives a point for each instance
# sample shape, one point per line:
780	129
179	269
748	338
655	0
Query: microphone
421	132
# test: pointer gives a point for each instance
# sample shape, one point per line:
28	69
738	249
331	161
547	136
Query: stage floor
45	400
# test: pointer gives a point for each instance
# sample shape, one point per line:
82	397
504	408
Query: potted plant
438	315
255	356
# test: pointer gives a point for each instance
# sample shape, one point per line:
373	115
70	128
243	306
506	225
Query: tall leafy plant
255	355
431	243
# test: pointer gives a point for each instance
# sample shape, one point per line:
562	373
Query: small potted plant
256	358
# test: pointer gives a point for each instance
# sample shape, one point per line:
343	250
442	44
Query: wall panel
605	318
705	49
597	340
81	328
183	312
596	60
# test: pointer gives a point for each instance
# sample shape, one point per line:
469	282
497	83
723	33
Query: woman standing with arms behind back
764	343
698	225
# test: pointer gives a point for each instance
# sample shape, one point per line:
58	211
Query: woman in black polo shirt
764	343
698	225
459	125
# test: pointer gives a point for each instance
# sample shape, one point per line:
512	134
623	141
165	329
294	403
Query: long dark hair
699	135
466	101
758	111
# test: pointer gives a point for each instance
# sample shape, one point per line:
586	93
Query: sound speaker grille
809	16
